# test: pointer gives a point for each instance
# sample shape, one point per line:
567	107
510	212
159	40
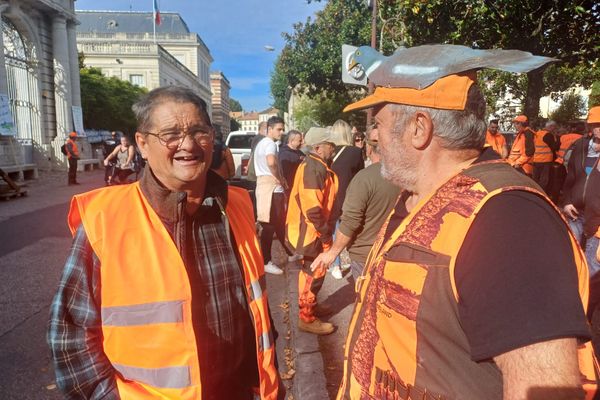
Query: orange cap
447	93
73	134
521	118
594	115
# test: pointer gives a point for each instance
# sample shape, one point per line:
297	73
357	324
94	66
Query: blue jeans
589	245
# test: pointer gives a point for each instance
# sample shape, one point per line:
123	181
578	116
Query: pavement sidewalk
313	364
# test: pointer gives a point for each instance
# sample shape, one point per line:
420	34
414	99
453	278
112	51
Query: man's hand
571	211
105	162
324	259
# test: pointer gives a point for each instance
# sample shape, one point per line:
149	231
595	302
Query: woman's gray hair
144	108
341	133
458	129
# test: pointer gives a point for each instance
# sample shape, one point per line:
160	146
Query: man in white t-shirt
270	195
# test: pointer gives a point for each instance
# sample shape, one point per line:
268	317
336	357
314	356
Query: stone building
122	44
220	102
39	82
249	122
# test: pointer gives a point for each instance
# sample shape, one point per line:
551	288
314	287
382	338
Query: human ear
422	131
141	142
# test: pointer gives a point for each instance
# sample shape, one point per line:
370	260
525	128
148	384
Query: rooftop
129	22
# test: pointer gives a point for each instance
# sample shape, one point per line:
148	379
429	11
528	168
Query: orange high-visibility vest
517	153
148	334
405	339
314	190
497	141
566	141
543	153
75	148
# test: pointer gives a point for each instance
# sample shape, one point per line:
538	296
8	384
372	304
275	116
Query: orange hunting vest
405	340
543	153
75	152
566	141
146	298
497	141
517	154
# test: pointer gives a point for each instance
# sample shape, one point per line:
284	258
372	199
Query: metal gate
23	93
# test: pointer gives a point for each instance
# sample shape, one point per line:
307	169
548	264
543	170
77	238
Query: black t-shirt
515	275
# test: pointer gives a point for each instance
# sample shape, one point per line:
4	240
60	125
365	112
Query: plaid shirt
222	323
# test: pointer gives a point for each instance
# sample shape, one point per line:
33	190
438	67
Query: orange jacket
497	142
543	153
404	338
309	209
74	153
522	150
566	141
147	326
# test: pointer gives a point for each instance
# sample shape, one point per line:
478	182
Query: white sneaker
295	257
273	269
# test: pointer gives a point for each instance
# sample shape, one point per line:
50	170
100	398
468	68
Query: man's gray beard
401	177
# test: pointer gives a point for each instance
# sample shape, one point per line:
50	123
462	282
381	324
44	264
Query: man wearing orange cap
455	302
523	147
72	157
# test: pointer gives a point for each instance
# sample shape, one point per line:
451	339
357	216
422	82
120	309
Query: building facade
39	81
249	122
122	44
220	102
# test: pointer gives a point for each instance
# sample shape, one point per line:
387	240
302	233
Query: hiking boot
317	327
273	269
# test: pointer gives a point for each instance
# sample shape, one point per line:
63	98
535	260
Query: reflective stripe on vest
147	323
162	312
543	153
166	377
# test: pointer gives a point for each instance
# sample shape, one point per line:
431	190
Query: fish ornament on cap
435	76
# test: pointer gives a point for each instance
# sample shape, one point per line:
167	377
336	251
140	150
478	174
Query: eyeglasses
173	140
356	140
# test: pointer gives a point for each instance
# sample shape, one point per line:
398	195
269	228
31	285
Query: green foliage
310	61
234	125
107	102
234	105
595	95
571	108
81	59
566	30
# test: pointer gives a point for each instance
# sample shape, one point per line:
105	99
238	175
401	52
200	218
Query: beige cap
316	135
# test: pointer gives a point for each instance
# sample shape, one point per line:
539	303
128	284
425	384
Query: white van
239	144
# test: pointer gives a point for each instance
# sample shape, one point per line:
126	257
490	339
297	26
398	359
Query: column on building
3	77
74	65
62	76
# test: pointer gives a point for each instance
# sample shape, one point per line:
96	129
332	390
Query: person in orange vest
543	158
309	226
559	169
495	139
443	310
72	157
523	147
163	294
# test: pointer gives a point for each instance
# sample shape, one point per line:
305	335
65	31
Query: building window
137	79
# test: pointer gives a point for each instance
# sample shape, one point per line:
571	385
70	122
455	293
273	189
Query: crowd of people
471	259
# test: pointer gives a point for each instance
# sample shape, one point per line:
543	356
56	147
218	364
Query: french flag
156	13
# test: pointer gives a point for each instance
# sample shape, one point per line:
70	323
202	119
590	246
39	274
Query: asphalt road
34	241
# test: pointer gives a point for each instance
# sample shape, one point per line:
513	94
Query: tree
106	102
571	108
234	105
310	61
234	125
563	29
595	95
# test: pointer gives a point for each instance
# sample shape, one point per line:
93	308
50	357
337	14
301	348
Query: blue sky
236	32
